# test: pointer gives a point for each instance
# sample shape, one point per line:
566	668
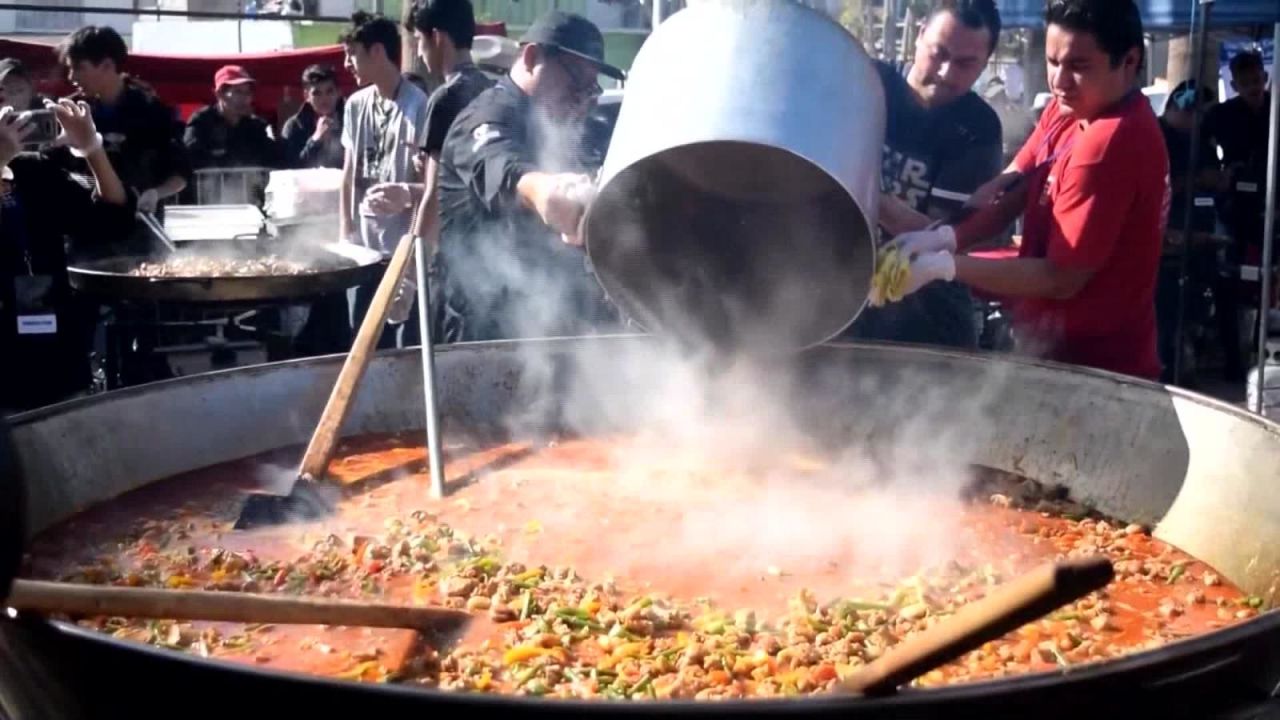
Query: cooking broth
585	586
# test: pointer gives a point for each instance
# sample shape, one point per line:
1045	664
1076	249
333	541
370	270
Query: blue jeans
940	314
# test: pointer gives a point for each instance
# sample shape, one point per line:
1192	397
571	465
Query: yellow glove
899	274
889	283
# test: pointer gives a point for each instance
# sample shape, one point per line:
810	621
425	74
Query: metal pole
657	13
32	7
434	449
1268	232
889	40
1193	160
908	36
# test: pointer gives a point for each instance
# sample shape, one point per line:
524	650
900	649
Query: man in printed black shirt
513	190
444	30
1240	126
941	143
140	132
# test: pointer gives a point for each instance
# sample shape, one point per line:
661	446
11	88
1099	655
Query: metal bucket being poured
738	197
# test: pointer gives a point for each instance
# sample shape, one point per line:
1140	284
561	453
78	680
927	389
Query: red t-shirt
1097	200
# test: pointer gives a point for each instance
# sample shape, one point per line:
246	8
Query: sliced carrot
823	673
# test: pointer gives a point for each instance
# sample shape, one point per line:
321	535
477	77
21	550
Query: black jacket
212	142
300	151
49	214
141	135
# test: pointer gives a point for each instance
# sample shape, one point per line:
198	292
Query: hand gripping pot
738	196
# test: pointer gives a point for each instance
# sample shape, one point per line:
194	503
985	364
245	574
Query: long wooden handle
92	600
1006	609
316	459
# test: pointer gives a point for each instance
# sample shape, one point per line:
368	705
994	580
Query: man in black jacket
138	129
514	188
228	135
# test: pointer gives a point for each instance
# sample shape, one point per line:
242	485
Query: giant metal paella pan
1166	469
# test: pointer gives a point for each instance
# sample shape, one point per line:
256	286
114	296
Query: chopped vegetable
523	653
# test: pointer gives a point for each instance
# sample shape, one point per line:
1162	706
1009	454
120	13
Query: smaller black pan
334	267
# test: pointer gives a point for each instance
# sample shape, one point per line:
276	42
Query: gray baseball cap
10	66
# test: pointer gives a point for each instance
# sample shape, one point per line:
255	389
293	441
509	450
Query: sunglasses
582	83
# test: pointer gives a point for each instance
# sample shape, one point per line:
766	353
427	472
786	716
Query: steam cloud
748	462
755	460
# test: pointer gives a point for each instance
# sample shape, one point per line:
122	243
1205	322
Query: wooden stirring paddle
303	501
1004	610
99	600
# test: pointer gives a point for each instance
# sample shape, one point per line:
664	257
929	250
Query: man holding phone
46	331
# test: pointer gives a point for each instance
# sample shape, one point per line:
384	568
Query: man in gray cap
513	189
16	89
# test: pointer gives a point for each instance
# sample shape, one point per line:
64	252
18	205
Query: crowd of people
1226	197
493	178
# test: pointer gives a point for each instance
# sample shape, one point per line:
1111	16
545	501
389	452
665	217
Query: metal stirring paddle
434	450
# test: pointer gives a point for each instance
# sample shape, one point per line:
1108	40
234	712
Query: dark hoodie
301	151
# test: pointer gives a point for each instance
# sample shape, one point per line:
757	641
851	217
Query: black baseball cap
10	66
572	34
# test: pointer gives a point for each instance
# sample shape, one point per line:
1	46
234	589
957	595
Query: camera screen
43	129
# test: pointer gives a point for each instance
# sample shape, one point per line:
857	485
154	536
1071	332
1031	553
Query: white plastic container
1270	381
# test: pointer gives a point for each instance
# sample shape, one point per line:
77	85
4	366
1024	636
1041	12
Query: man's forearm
1020	277
532	188
426	217
171	186
415	192
897	217
345	198
109	186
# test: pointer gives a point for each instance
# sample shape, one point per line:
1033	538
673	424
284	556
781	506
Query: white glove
565	203
897	277
148	201
930	266
940	239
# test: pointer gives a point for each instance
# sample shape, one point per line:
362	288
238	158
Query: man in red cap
227	134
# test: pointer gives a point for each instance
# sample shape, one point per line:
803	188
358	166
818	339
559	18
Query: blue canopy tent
1196	16
1158	14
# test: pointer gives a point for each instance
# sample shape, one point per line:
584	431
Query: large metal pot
738	197
1200	472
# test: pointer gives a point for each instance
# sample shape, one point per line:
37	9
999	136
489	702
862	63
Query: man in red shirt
1092	184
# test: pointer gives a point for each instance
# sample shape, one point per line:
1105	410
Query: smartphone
44	129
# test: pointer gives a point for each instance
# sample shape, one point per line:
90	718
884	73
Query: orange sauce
564	506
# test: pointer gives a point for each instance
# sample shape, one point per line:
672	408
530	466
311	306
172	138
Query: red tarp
186	82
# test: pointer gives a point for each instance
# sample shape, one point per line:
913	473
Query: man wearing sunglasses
513	187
